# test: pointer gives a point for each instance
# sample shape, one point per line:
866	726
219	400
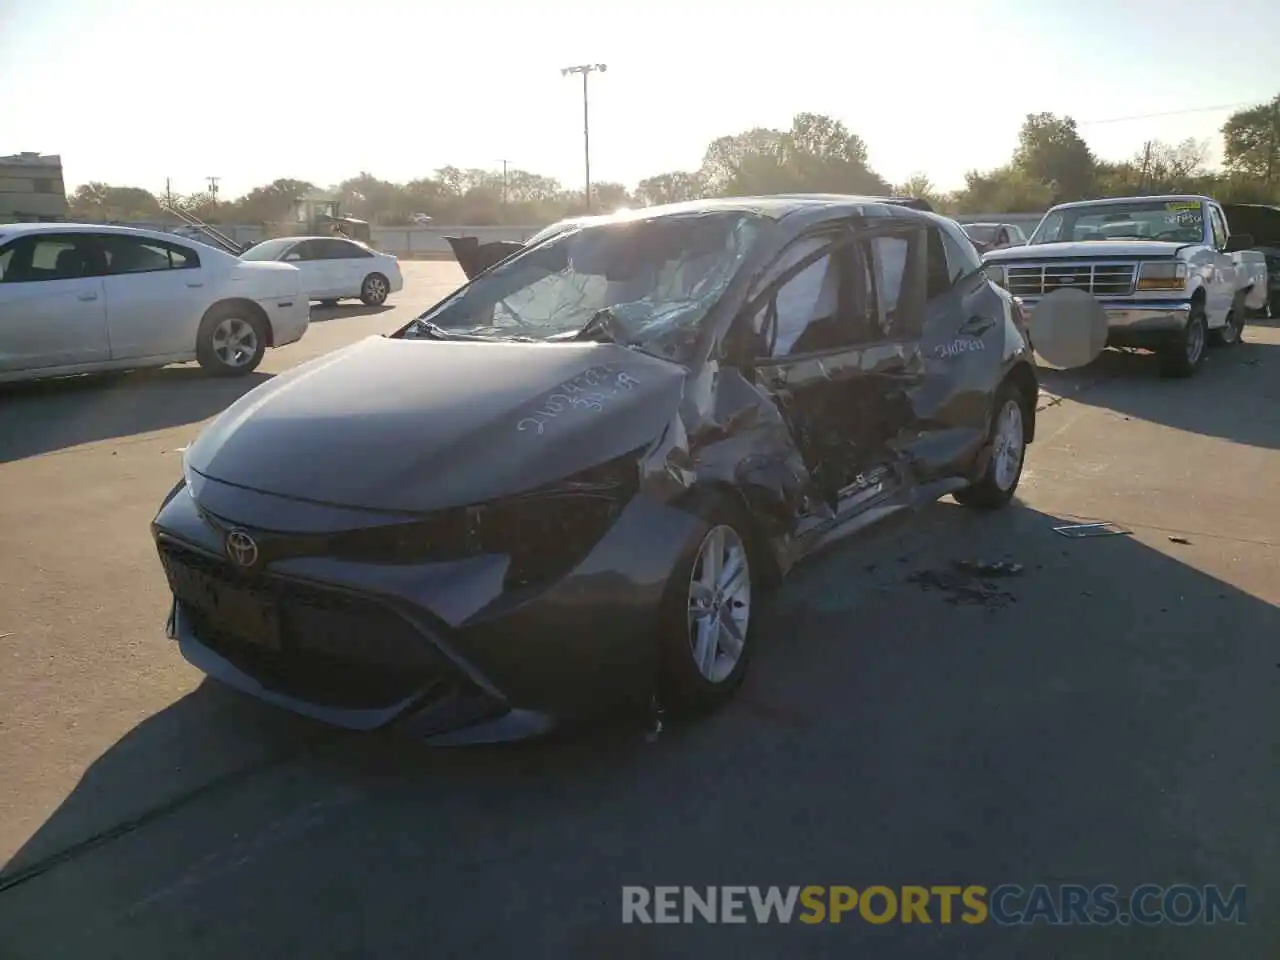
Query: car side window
962	257
46	257
938	276
1219	227
346	250
137	255
304	251
886	271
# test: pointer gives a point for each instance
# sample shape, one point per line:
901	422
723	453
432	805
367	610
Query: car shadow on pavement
1234	396
341	311
1096	714
48	415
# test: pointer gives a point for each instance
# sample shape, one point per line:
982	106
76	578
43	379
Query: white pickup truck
1166	270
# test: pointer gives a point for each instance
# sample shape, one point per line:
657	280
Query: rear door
156	296
349	263
318	279
52	303
828	326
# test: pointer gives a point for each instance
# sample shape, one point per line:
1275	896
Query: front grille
1099	279
327	647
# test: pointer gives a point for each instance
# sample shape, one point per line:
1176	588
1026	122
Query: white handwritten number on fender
957	347
573	394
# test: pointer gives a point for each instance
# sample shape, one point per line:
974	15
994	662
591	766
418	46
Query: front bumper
1138	322
289	317
436	651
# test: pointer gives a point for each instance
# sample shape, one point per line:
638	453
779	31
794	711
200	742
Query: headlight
189	476
1162	276
995	273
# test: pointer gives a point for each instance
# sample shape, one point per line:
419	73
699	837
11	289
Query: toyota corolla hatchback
572	478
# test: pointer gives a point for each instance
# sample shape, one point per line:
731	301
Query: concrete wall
428	242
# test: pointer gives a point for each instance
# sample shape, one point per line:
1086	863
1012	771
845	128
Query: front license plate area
242	612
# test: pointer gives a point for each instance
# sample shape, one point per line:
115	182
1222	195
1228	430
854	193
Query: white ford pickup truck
1168	273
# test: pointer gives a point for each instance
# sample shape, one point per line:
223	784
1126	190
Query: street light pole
586	69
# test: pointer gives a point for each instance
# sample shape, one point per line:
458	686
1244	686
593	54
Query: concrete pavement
1108	717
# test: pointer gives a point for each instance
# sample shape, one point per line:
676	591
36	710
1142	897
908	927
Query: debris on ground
1102	529
1182	540
970	581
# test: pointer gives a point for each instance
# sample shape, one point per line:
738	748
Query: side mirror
1239	241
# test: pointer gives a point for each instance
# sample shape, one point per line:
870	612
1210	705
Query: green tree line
1051	164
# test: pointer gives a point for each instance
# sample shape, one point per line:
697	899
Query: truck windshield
1181	221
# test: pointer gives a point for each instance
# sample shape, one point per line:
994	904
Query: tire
1007	437
704	659
374	290
1232	333
1184	354
231	341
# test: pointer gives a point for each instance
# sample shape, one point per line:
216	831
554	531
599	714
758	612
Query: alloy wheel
719	603
235	342
1009	445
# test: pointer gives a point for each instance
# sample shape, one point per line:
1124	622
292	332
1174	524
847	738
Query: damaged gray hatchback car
563	487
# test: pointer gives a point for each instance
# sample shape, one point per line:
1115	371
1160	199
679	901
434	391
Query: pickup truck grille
1099	279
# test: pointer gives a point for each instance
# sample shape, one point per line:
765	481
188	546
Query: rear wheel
1182	356
374	290
231	341
707	636
1008	440
1233	332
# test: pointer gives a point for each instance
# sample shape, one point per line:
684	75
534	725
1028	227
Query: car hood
1091	249
261	279
420	425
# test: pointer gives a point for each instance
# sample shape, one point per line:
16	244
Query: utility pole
586	69
1146	163
213	188
168	194
504	182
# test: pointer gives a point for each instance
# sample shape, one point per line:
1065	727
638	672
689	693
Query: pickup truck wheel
1008	439
1233	332
1182	355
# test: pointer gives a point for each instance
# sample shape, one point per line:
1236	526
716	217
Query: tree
1251	142
1051	151
610	196
272	203
1003	190
922	188
816	155
673	187
101	201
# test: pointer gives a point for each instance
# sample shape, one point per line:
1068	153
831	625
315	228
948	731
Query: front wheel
706	627
1008	442
374	290
231	341
1182	356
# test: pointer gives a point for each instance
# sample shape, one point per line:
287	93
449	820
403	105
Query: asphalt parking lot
1109	715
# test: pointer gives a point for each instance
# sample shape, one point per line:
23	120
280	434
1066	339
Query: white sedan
334	269
85	298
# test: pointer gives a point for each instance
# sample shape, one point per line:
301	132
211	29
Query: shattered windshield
1181	221
643	283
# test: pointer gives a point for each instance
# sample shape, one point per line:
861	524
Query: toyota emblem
241	548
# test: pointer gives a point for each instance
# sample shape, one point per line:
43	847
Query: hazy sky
133	91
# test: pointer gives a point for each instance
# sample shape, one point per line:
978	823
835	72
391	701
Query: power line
1172	113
